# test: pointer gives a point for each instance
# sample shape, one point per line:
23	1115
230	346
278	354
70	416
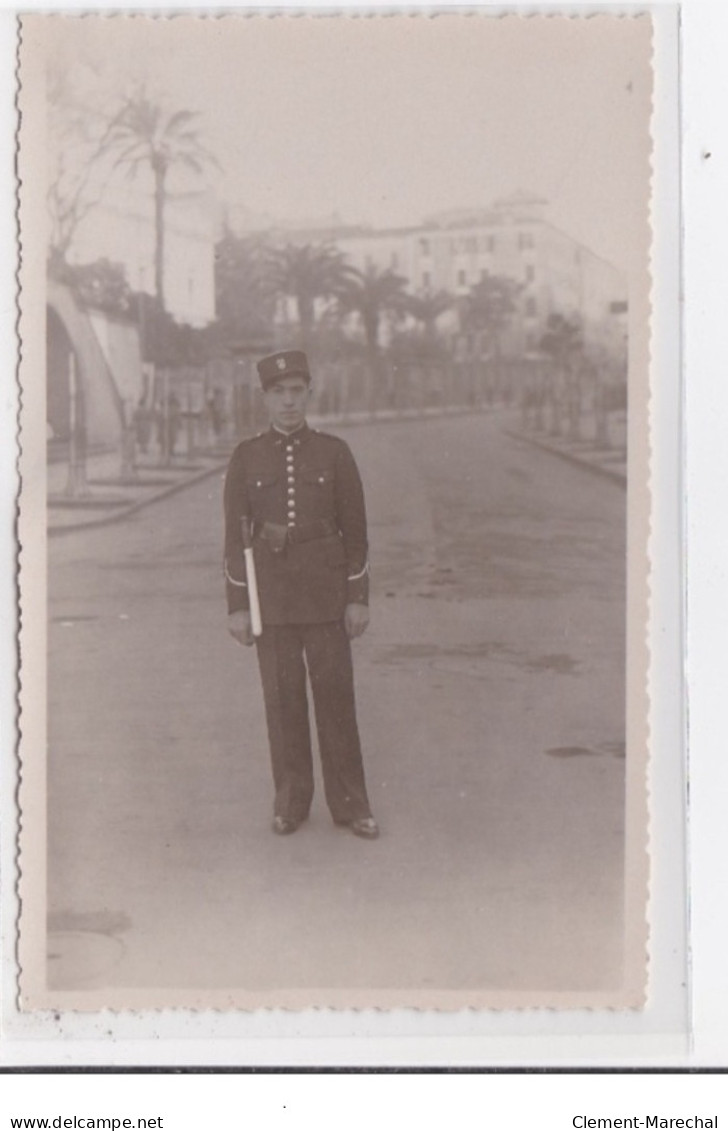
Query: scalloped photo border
34	995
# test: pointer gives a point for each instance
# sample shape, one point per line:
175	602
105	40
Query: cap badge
281	362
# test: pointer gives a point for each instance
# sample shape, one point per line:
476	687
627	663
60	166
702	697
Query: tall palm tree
306	272
145	135
372	294
427	308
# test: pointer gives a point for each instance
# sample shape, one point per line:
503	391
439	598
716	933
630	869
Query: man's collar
301	433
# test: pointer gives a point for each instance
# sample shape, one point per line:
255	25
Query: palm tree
146	135
427	308
305	273
372	294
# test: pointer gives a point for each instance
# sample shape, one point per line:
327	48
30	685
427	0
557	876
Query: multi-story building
453	251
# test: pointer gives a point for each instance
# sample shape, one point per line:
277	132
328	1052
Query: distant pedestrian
216	412
142	424
158	420
174	419
301	494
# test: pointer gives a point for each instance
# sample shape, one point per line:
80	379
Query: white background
499	1101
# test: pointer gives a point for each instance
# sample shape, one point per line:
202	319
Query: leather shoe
365	827
283	826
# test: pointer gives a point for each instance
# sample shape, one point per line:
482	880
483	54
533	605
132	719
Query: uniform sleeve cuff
233	580
358	576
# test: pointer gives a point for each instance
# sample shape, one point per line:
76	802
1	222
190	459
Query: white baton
255	622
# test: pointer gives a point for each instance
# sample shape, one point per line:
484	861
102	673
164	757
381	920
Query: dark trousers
327	650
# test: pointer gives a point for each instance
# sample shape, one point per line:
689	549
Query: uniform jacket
304	482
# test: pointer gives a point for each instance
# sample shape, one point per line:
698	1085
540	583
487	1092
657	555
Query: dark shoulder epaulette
328	436
248	442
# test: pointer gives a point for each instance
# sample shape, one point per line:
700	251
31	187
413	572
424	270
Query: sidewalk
609	462
107	497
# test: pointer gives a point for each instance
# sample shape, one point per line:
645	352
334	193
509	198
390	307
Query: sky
385	120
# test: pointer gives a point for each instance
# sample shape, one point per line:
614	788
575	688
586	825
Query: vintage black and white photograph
334	511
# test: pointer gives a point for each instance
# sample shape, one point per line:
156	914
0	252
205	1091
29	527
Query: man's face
286	402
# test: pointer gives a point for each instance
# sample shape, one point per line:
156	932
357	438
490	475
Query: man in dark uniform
300	491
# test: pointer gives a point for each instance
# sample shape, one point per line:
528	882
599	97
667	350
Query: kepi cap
286	363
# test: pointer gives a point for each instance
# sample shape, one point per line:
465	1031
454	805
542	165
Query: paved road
490	691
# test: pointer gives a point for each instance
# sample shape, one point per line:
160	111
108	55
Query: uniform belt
278	535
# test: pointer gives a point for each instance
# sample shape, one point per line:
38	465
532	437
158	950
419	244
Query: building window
530	272
394	261
462	279
525	241
484	274
425	278
530	340
531	308
425	247
471	245
489	244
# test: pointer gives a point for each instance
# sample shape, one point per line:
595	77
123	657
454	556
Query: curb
132	508
610	473
408	415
